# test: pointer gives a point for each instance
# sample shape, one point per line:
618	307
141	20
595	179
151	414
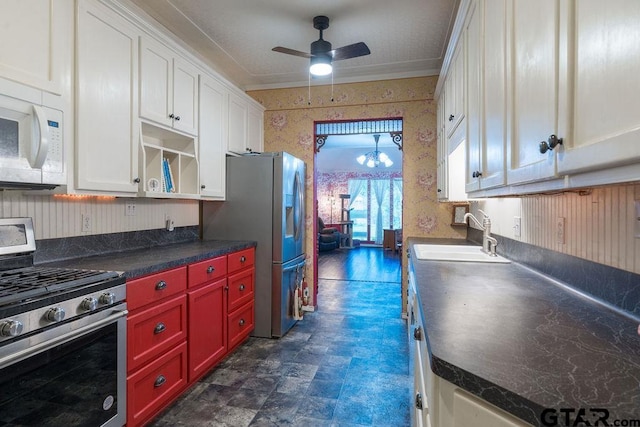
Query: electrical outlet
130	209
560	227
168	222
86	222
517	226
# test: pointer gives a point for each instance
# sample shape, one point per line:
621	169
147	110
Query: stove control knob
89	304
54	314
11	328
108	298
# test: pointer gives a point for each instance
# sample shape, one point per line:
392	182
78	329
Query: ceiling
407	38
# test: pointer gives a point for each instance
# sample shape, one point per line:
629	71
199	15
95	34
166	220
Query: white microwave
31	145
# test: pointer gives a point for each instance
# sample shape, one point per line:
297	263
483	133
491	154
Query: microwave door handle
40	145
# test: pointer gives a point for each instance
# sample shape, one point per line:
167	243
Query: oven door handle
38	348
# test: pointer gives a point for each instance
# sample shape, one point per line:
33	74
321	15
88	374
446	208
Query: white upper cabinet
255	128
536	47
168	88
472	49
606	101
246	125
214	99
454	102
106	92
35	35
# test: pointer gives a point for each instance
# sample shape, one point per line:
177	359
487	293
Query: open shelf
168	162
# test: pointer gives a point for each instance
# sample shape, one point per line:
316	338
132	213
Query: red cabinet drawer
240	325
153	386
155	287
241	259
153	331
240	289
207	271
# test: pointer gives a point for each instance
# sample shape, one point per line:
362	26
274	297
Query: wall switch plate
560	229
517	224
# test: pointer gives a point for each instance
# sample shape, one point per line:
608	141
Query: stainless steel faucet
488	243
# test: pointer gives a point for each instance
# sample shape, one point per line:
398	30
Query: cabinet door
455	100
473	79
35	35
534	37
156	82
185	97
214	100
207	327
255	129
107	86
442	151
606	127
238	116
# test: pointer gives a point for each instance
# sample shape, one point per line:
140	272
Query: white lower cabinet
106	92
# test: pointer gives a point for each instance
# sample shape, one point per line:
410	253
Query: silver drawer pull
161	285
210	269
159	381
241	322
241	287
242	258
160	327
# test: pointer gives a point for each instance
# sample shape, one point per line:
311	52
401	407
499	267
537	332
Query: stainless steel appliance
31	145
62	339
265	203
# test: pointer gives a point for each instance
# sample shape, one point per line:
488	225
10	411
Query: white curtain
397	202
379	188
355	187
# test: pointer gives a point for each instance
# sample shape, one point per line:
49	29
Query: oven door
76	378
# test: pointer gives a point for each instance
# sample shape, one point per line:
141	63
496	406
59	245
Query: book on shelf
167	176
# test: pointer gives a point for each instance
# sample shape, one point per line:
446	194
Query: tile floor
344	365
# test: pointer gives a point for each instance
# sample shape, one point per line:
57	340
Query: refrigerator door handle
295	267
297	205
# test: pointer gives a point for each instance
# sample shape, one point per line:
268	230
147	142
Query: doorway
358	180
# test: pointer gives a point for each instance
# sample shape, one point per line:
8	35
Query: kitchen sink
461	253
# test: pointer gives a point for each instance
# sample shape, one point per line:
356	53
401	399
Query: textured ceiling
407	38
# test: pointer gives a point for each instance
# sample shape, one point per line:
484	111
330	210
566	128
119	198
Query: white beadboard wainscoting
61	216
600	224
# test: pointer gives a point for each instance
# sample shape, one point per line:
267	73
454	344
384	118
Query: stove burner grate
30	282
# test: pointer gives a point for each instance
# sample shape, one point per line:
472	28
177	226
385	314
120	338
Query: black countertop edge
141	262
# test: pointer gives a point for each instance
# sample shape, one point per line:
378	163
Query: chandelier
374	158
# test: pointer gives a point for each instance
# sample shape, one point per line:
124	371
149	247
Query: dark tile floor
344	365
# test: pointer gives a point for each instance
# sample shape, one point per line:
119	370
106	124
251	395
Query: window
376	204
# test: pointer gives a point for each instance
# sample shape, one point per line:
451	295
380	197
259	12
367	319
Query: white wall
61	216
599	224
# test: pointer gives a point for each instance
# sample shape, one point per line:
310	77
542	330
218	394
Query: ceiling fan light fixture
321	65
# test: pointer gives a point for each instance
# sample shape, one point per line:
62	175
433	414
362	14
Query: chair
328	237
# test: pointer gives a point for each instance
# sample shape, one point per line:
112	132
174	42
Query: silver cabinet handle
160	381
243	259
210	269
161	285
160	327
241	287
241	322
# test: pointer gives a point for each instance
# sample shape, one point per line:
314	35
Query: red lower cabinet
150	388
207	327
181	323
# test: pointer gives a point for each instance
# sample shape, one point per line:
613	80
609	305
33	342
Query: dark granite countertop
140	262
526	342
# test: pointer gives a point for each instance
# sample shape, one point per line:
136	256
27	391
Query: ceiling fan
321	53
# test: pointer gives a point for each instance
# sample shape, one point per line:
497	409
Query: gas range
62	338
35	298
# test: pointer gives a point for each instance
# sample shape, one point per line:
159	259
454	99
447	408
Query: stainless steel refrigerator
265	203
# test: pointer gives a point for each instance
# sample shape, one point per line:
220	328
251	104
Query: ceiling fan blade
291	51
350	51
